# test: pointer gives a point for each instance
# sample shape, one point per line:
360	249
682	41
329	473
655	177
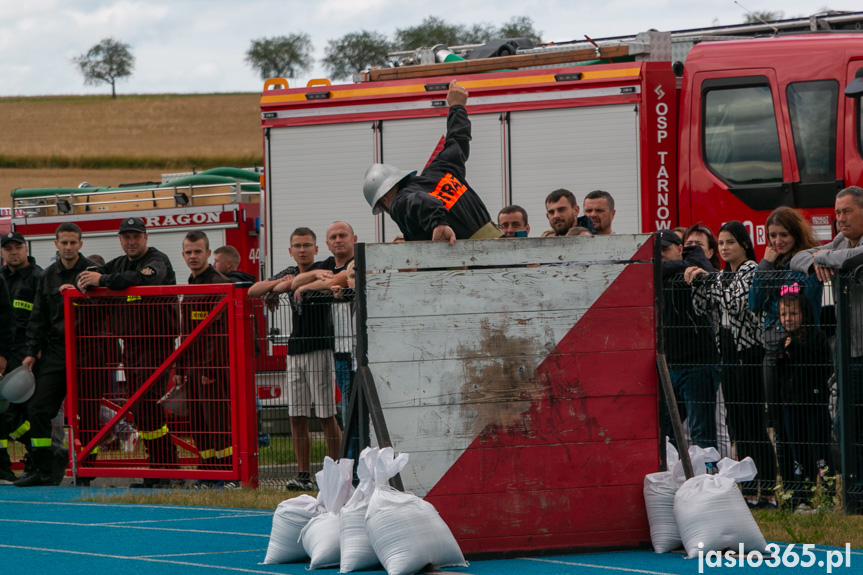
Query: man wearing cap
143	266
46	340
438	204
689	343
21	275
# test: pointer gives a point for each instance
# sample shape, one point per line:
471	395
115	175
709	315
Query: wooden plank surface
505	252
496	290
500	63
571	517
499	380
575	423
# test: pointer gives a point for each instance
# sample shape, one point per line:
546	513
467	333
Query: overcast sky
186	46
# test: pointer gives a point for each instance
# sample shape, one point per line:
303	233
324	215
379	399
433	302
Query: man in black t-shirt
310	352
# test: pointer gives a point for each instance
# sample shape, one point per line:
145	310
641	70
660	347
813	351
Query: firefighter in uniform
438	204
206	364
148	331
21	274
46	335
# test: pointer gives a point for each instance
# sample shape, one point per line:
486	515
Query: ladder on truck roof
643	46
37	202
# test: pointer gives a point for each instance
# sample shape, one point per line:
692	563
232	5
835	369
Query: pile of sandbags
660	489
359	529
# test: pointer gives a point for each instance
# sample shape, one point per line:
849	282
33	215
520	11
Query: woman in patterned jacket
726	296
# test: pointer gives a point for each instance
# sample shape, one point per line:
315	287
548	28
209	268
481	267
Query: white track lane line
205	553
112	526
127	558
178	519
607	567
139	506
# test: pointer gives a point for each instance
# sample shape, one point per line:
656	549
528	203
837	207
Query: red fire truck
676	127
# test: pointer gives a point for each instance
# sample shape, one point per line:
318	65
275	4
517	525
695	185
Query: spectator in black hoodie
689	341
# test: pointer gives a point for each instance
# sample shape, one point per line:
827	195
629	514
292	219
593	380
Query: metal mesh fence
304	369
770	366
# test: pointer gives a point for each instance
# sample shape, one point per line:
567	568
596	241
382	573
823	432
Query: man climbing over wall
438	204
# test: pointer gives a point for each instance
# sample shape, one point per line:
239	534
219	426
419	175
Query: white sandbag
320	537
660	489
291	516
709	509
407	533
357	550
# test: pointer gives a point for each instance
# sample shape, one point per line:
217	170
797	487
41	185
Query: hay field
161	133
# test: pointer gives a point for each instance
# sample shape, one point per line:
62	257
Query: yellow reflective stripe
154	434
3	443
133	298
40	441
208	453
21	304
95	450
24	428
225	452
199	315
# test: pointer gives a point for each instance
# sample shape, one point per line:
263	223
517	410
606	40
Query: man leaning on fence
150	329
310	364
205	364
46	340
689	341
845	253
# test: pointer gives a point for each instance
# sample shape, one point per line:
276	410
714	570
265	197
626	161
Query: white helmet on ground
380	178
18	385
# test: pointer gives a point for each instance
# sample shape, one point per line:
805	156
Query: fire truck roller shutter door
409	144
316	176
580	149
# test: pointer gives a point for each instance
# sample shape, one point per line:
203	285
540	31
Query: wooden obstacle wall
526	396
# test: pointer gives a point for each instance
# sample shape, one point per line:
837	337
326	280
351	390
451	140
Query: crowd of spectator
751	350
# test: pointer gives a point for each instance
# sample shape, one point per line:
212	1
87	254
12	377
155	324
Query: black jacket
46	328
805	368
152	269
689	335
441	194
7	326
22	291
236	276
210	348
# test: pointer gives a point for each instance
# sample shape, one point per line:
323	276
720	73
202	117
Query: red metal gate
170	366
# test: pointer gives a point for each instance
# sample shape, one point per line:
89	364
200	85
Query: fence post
243	384
843	377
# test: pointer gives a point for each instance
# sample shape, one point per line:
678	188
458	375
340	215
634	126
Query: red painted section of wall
568	473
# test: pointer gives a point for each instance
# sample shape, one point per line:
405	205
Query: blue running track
47	531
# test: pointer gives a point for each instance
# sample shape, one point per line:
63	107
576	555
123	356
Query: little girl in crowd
804	364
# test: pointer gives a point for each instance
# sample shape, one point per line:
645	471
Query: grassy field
62	141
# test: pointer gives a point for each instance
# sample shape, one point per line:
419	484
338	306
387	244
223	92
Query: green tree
105	63
477	34
354	52
764	15
520	27
432	31
281	56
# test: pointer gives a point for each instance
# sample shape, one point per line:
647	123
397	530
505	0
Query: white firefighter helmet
18	385
175	400
380	178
